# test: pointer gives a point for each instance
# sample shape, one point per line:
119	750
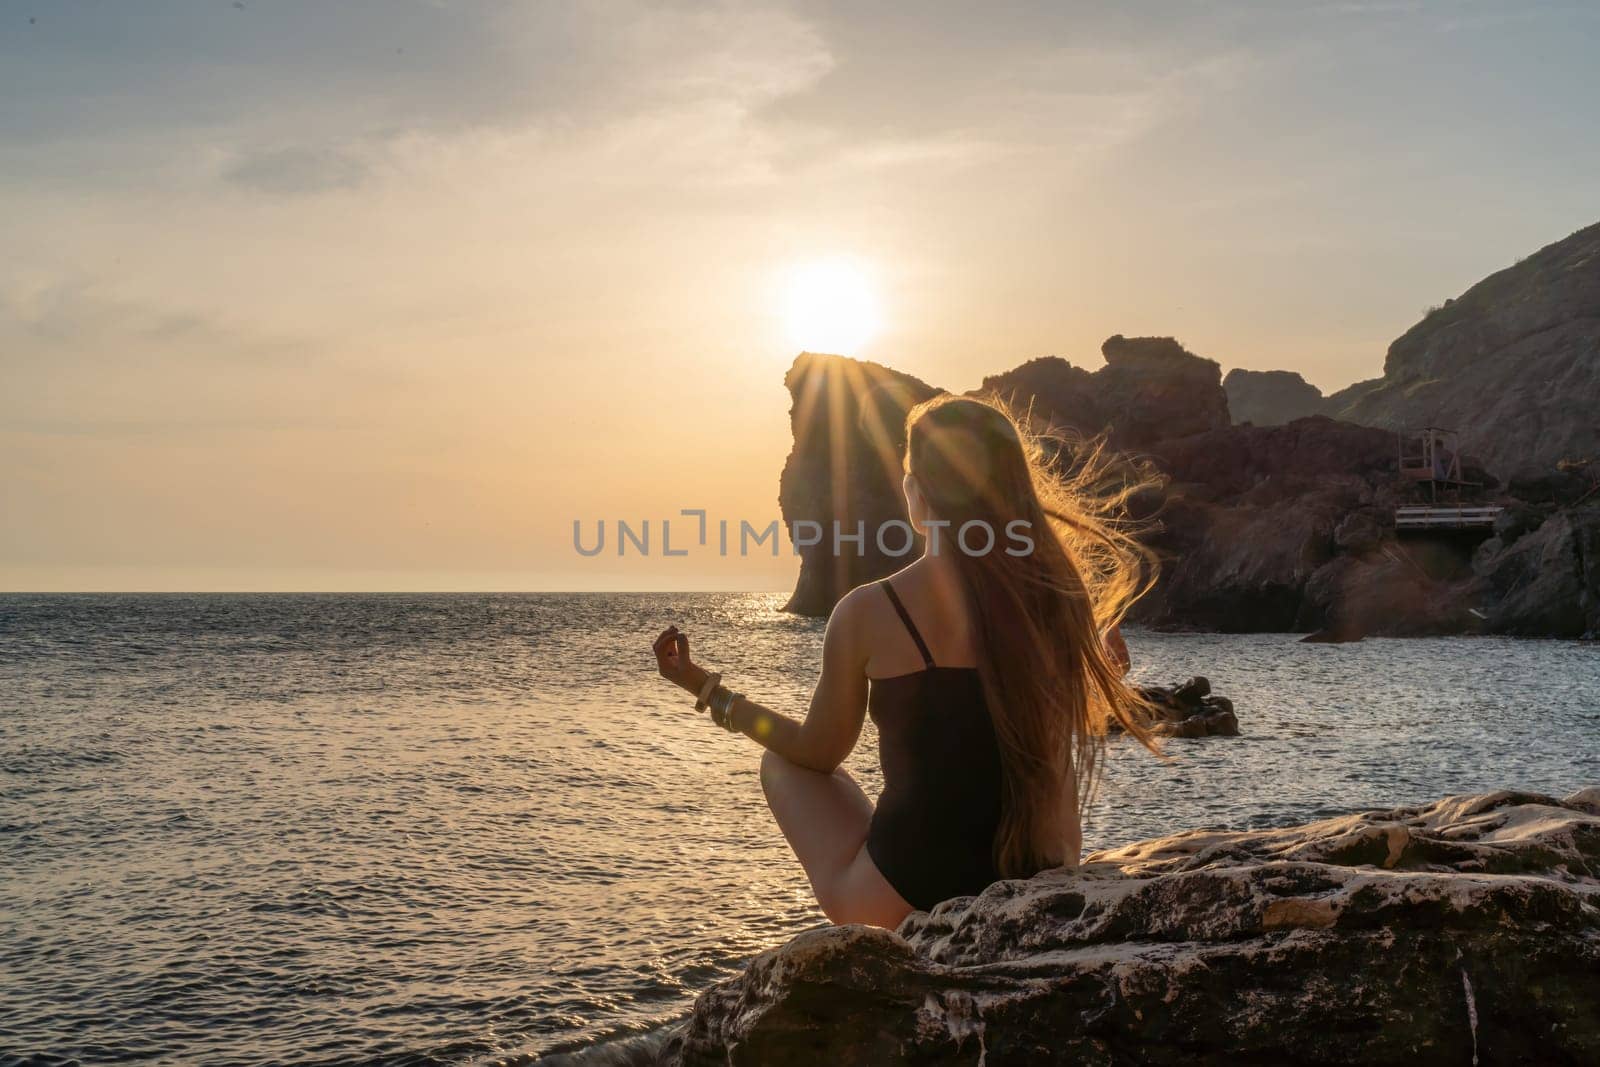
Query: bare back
932	595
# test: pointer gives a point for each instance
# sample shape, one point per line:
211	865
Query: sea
475	829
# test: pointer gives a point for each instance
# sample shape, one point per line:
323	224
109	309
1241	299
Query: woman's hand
672	660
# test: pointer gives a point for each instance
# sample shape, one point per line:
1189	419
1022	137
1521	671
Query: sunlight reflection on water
248	829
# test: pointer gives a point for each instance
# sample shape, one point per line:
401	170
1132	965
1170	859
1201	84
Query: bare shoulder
857	618
856	608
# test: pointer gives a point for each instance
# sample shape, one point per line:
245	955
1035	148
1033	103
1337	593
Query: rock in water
1464	931
1191	710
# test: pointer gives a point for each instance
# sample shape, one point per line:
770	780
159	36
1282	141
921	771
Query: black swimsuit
932	834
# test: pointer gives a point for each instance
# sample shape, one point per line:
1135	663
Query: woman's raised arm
838	704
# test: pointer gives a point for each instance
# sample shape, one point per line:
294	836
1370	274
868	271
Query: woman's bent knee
843	908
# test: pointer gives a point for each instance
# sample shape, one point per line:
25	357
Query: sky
385	296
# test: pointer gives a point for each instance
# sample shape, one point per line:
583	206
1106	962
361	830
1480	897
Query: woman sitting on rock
987	674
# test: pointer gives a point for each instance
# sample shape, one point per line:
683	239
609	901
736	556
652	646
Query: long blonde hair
1052	688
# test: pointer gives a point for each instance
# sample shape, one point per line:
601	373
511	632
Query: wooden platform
1445	517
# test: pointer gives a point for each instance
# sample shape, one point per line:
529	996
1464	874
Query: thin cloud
298	170
77	320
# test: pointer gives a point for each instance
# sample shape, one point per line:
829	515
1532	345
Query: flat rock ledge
1464	931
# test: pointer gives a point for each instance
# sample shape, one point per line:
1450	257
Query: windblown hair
1052	688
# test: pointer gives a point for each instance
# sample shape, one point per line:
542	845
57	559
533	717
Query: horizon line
366	592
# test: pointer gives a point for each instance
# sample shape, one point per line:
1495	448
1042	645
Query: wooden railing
1444	517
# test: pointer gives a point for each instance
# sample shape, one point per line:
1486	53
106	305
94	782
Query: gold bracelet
712	681
722	701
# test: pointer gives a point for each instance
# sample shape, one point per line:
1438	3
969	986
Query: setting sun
831	306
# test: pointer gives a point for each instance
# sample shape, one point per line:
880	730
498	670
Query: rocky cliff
848	419
1250	528
1259	527
1271	397
848	422
1151	389
1287	524
1541	577
1465	931
1513	363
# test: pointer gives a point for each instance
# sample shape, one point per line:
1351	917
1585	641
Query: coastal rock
1251	513
1271	397
1547	582
848	423
1247	517
1337	634
1414	589
1564	486
1517	519
1511	363
1258	528
1467	930
1150	389
1272	464
1287	526
1359	532
848	420
1191	710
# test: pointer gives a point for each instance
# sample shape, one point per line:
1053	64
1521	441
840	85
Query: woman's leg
824	817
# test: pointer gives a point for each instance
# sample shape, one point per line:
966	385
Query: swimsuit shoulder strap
911	627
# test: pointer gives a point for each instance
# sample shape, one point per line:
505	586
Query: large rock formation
1287	524
1464	931
1260	528
1151	389
1271	397
1513	363
848	419
1290	528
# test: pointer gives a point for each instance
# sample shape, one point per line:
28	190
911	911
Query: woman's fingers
669	660
672	659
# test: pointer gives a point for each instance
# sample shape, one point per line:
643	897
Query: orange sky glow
352	297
